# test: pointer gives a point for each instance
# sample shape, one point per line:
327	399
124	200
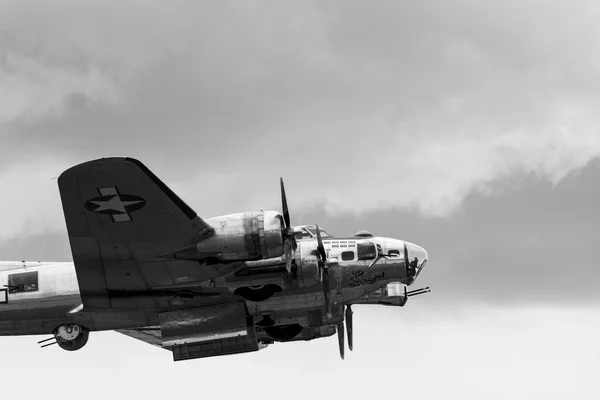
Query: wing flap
219	347
211	348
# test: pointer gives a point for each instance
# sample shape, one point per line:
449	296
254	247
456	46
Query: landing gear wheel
71	337
257	293
68	332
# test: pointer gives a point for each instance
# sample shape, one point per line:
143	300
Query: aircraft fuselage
48	295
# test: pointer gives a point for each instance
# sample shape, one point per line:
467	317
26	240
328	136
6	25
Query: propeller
349	325
320	247
323	270
340	332
289	240
406	262
340	329
324	276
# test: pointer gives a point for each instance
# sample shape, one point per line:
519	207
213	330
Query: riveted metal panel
251	236
218	347
200	324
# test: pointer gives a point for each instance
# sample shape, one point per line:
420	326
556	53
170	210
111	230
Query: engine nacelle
246	236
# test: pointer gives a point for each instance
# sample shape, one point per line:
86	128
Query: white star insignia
114	204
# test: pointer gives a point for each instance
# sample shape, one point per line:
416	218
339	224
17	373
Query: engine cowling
245	236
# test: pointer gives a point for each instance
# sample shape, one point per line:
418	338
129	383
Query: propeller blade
323	270
326	290
287	251
340	332
406	262
289	240
284	206
349	325
320	247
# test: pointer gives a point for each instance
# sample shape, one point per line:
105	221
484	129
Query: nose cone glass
417	256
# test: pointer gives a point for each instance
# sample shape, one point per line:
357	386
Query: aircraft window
25	282
347	255
312	230
366	251
302	234
394	253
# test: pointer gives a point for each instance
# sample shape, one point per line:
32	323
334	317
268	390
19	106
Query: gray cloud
445	97
51	245
529	243
388	116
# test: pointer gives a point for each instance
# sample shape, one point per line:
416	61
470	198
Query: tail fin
118	215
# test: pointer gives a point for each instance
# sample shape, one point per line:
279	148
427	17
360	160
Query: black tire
75	344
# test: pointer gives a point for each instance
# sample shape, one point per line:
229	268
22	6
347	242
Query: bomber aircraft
147	266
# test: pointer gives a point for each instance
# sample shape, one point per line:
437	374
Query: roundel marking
118	206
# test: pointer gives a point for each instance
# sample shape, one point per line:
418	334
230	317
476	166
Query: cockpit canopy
309	232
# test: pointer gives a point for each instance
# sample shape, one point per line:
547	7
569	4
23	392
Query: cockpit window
366	251
313	231
23	282
394	253
302	234
347	255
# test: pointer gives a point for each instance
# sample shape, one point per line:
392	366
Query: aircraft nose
417	257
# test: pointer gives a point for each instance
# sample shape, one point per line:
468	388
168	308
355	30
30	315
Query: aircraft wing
151	336
210	348
121	218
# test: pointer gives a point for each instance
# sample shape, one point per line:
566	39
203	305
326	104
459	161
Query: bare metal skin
147	266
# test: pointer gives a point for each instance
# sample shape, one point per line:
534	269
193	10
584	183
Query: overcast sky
468	127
